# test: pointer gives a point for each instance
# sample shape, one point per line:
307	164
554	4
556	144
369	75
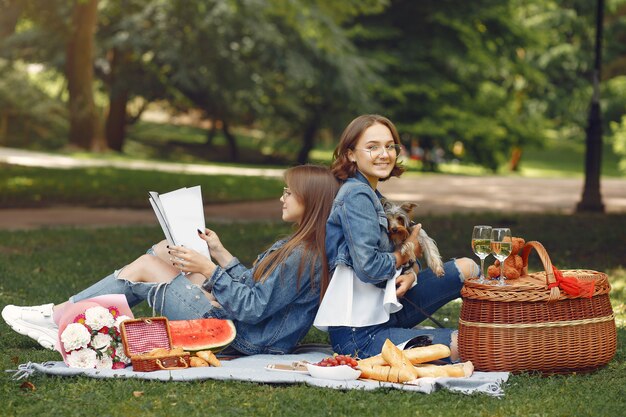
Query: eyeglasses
375	151
286	193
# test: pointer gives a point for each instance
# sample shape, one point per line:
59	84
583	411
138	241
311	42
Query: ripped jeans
178	299
430	294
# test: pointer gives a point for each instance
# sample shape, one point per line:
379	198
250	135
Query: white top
351	302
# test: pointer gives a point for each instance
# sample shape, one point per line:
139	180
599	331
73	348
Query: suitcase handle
185	365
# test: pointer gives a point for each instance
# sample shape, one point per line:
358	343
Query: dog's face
399	220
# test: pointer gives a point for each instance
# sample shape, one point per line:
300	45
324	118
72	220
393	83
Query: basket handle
543	255
185	365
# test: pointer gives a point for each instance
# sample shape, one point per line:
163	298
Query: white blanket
253	369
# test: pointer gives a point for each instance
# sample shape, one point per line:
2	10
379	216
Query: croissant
209	356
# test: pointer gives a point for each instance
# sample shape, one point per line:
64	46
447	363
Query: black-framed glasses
375	150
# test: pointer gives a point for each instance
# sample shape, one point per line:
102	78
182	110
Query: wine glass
501	243
481	245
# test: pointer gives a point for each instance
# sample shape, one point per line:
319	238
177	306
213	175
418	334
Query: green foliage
619	141
60	262
456	72
29	117
109	187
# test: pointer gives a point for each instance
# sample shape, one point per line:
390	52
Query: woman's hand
218	251
188	260
404	283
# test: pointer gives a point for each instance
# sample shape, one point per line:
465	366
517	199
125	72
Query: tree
79	73
591	198
456	71
10	11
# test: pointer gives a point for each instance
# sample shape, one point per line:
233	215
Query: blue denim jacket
356	232
270	316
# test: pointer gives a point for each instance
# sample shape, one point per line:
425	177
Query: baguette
385	373
397	359
415	355
458	370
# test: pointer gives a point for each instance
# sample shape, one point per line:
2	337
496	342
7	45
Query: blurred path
435	194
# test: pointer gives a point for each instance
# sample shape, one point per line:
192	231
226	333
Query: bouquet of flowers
92	338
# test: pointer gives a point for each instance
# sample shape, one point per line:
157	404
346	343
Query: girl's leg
135	280
432	292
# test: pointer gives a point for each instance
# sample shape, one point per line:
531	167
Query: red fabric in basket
143	337
572	285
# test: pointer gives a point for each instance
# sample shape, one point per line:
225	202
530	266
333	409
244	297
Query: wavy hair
315	187
342	167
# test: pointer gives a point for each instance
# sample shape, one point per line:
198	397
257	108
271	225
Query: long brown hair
342	167
315	187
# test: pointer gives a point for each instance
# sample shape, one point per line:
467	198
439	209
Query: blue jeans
177	300
430	294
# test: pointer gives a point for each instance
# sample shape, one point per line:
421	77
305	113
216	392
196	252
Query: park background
477	88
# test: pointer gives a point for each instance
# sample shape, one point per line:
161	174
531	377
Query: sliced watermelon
202	334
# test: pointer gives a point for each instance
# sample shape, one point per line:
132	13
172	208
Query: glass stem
482	268
502	272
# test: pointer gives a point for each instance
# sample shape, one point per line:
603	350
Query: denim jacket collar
360	177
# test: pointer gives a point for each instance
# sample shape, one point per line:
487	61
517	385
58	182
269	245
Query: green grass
184	143
49	265
111	187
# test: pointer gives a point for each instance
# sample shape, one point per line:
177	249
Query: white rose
105	362
101	341
75	336
98	317
119	320
83	358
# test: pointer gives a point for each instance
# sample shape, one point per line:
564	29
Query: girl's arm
253	304
361	227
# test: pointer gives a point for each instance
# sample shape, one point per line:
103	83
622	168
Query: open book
181	214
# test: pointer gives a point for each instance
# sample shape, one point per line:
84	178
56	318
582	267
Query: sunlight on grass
18	182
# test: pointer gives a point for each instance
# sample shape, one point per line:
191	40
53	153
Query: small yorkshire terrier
400	227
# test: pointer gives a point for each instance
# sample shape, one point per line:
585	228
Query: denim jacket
356	232
270	316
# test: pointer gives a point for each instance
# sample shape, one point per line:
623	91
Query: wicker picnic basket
142	335
533	325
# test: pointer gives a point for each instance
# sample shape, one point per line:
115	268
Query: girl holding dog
357	244
272	305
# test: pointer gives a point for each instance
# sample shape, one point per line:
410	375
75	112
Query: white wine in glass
501	245
481	245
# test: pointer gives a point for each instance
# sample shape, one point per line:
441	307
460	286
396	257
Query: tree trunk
210	136
308	140
118	99
79	74
116	120
10	11
591	198
232	142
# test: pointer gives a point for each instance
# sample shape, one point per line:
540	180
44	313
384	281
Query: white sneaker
35	322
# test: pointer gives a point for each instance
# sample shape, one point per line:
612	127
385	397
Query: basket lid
533	287
144	334
537	286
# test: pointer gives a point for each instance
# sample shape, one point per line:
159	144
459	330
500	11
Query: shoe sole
37	334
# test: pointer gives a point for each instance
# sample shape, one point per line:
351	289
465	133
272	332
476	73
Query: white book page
158	210
184	212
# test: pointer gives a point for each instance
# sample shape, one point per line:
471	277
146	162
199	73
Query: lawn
49	265
112	187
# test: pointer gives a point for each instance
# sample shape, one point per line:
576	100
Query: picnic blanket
253	369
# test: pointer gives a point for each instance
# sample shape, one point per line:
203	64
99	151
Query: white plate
341	372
